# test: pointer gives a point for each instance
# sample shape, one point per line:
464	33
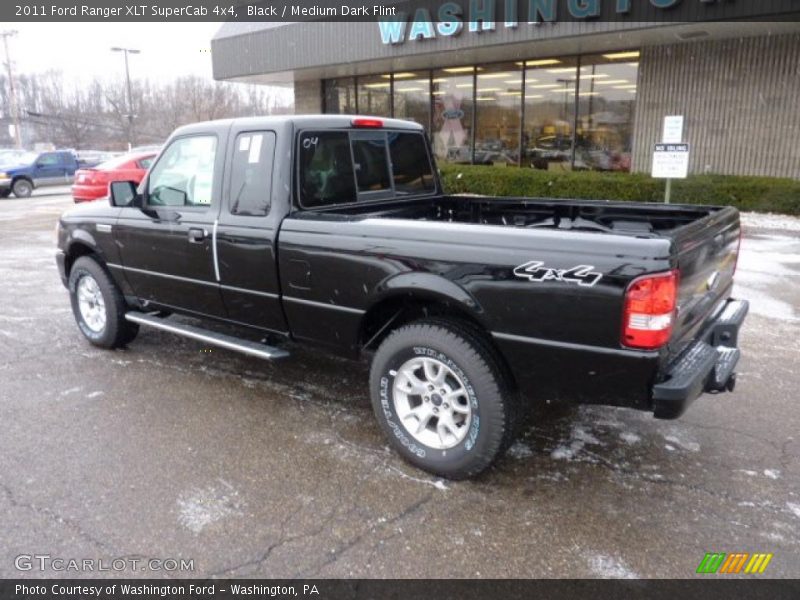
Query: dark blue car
37	169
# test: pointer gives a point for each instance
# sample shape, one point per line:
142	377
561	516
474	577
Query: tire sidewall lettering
398	429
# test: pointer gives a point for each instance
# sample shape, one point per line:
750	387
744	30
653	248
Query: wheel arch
82	246
26	177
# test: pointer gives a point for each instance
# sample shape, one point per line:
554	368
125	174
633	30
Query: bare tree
94	115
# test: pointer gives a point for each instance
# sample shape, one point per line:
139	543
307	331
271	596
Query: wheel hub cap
91	304
432	403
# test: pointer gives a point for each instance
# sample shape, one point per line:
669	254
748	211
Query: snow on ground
200	508
609	567
768	263
769	221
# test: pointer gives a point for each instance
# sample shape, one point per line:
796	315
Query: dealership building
558	95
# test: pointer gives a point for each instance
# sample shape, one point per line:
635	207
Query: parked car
155	148
37	169
91	184
334	230
92	158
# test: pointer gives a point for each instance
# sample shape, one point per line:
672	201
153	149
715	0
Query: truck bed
623	239
620	218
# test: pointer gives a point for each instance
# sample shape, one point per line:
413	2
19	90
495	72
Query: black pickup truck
334	231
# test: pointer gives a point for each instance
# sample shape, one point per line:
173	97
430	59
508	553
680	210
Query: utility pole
130	96
11	88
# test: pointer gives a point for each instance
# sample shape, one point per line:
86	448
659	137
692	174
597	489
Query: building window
452	114
412	97
340	96
607	101
374	95
498	104
549	113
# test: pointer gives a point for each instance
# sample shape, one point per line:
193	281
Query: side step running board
208	337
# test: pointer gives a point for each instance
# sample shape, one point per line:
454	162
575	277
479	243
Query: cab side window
184	175
251	174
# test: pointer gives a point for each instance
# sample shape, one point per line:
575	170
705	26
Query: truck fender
391	294
79	243
430	285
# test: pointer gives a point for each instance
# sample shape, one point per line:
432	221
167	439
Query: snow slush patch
200	508
579	438
677	439
630	438
772	473
609	567
520	450
795	508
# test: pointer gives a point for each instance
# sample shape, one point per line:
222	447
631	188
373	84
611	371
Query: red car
91	184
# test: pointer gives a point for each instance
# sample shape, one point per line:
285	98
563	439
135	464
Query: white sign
673	130
671	161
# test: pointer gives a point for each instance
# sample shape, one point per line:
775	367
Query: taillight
649	314
361	122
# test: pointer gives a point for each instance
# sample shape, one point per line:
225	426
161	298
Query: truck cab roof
299	122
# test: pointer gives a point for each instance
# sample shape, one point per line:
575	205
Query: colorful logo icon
734	564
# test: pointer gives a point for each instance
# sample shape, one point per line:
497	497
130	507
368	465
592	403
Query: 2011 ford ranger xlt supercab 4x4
334	231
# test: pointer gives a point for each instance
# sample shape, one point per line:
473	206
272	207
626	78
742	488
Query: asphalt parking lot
166	450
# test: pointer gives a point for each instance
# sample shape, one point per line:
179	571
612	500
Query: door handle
196	236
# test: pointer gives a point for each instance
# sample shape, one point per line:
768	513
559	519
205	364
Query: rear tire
98	306
22	188
442	398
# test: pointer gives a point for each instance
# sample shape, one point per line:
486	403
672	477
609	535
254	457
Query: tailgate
707	251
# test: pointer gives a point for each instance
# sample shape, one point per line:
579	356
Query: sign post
671	156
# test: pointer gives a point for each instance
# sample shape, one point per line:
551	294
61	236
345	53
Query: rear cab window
344	167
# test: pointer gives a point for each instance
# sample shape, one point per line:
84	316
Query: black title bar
486	13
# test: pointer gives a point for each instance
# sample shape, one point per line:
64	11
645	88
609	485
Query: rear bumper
708	365
88	193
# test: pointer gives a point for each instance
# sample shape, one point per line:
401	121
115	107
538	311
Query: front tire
442	398
22	188
98	306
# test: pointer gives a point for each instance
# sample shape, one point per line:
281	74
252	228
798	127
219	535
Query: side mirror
122	193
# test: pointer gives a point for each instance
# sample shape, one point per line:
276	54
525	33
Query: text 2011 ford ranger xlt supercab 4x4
334	230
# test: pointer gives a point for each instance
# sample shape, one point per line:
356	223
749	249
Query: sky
82	50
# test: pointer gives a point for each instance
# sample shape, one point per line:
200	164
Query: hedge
761	194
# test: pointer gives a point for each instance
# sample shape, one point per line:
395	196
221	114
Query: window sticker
255	149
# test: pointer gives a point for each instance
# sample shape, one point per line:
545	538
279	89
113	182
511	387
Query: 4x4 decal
583	275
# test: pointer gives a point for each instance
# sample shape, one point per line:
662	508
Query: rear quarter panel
555	334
